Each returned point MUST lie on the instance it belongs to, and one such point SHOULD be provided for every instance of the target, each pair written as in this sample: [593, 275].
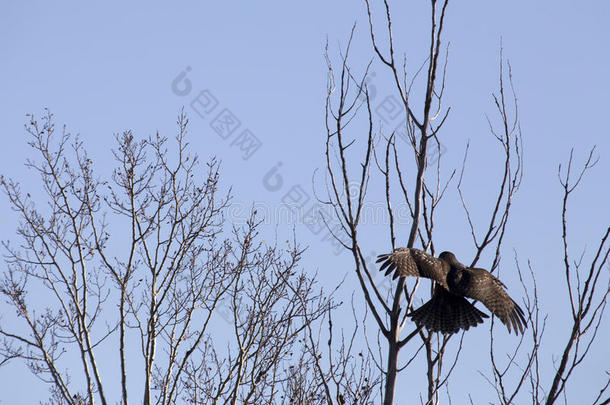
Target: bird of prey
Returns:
[448, 310]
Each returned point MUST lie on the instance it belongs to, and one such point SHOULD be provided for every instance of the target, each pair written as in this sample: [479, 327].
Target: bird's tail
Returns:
[447, 313]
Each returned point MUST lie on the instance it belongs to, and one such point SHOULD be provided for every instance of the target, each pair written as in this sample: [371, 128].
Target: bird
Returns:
[449, 311]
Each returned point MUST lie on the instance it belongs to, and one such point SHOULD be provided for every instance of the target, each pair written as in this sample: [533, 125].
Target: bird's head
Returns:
[448, 257]
[458, 280]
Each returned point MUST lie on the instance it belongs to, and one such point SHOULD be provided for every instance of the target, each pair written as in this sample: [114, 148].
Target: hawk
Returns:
[448, 310]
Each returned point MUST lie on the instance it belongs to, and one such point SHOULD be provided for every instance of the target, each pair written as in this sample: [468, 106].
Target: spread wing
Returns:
[490, 291]
[413, 262]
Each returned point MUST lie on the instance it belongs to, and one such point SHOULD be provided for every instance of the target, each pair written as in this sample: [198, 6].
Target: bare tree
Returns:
[587, 283]
[361, 157]
[347, 95]
[588, 289]
[147, 267]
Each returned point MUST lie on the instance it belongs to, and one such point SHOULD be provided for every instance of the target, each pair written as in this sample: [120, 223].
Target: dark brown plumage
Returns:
[448, 310]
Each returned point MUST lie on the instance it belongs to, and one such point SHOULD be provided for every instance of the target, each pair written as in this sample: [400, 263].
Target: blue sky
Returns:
[104, 68]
